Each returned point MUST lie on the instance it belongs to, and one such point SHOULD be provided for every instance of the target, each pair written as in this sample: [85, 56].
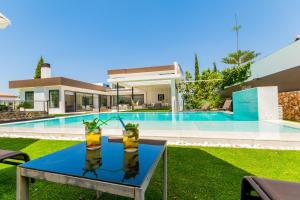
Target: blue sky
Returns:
[82, 39]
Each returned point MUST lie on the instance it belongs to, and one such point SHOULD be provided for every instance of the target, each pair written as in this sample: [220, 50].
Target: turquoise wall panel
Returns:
[245, 104]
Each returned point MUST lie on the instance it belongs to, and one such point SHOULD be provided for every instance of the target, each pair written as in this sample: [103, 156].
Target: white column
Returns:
[62, 104]
[95, 102]
[173, 95]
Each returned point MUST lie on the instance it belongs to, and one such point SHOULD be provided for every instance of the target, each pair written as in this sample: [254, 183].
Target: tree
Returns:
[236, 74]
[37, 74]
[207, 89]
[215, 69]
[186, 88]
[237, 28]
[240, 57]
[197, 71]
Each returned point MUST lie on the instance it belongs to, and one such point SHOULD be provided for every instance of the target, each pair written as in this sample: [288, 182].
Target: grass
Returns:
[194, 172]
[149, 110]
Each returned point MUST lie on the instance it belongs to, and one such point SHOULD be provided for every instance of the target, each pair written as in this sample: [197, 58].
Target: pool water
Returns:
[194, 121]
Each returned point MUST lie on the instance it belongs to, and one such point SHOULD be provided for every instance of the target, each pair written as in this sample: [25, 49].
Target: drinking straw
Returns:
[122, 123]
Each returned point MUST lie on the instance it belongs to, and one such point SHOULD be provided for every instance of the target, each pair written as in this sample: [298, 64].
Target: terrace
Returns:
[194, 172]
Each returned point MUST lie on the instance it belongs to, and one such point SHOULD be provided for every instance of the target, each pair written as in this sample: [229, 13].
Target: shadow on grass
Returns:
[192, 174]
[15, 144]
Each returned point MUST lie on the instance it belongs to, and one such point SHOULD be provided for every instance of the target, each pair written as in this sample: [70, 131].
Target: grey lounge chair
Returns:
[13, 157]
[268, 189]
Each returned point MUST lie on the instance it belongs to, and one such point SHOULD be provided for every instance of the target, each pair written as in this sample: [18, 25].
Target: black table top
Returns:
[109, 164]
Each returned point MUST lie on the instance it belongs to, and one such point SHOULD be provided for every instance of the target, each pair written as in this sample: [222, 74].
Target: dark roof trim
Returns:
[55, 81]
[140, 69]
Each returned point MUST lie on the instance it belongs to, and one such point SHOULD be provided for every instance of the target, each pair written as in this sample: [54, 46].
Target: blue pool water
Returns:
[200, 121]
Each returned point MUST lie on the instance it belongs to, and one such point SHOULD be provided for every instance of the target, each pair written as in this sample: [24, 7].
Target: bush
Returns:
[26, 105]
[236, 74]
[3, 108]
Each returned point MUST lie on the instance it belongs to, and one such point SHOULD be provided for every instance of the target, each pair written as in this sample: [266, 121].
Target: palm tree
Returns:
[240, 57]
[237, 28]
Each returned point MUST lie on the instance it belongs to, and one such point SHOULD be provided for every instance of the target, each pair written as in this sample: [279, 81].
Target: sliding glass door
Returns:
[84, 102]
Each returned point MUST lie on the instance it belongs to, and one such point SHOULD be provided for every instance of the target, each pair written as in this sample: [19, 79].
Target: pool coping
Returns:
[178, 137]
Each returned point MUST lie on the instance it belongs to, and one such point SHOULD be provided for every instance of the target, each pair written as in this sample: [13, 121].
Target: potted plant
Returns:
[93, 133]
[131, 137]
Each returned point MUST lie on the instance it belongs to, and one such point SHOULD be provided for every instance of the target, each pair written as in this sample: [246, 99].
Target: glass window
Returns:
[84, 102]
[124, 99]
[53, 98]
[103, 101]
[138, 99]
[29, 99]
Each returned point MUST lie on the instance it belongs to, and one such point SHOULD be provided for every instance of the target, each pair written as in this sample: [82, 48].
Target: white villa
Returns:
[133, 88]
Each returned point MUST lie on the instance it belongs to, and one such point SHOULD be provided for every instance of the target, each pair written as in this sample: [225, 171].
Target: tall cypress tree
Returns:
[197, 71]
[215, 69]
[37, 73]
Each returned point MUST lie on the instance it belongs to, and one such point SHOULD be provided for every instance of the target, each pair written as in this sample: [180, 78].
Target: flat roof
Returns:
[286, 80]
[7, 95]
[54, 81]
[141, 69]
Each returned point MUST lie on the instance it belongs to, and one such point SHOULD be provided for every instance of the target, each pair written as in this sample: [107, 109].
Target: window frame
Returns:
[32, 101]
[57, 90]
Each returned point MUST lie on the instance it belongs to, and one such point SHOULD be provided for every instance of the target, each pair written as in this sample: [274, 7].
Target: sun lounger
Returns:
[227, 105]
[268, 189]
[205, 107]
[13, 157]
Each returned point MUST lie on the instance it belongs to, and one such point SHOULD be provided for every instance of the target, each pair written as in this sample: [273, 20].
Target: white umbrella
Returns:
[4, 22]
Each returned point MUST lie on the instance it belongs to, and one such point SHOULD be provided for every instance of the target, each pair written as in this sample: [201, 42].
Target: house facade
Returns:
[134, 88]
[281, 69]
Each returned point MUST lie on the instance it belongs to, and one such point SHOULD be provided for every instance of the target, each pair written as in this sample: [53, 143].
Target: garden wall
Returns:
[290, 102]
[260, 103]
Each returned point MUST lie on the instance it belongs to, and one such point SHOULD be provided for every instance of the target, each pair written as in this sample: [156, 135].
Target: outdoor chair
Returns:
[157, 106]
[205, 107]
[268, 189]
[227, 105]
[13, 157]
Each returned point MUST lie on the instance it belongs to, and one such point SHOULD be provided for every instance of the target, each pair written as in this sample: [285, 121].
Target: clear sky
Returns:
[82, 39]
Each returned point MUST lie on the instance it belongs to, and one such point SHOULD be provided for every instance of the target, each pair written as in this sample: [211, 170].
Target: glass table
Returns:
[108, 169]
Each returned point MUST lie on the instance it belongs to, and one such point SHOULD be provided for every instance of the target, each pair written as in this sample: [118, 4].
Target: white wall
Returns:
[95, 103]
[41, 96]
[259, 103]
[45, 72]
[268, 103]
[285, 58]
[151, 93]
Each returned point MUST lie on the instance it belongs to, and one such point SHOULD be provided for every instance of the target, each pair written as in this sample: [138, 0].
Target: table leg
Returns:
[165, 165]
[139, 194]
[22, 186]
[98, 194]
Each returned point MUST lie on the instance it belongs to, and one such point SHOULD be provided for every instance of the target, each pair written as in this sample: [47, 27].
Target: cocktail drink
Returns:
[131, 164]
[93, 138]
[131, 140]
[93, 161]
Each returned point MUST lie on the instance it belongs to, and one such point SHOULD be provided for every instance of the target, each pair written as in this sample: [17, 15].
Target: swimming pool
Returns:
[166, 121]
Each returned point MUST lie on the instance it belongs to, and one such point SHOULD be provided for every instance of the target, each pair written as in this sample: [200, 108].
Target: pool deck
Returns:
[178, 137]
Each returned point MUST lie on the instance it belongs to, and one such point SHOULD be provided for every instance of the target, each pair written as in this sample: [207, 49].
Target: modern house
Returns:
[134, 88]
[147, 86]
[281, 69]
[8, 101]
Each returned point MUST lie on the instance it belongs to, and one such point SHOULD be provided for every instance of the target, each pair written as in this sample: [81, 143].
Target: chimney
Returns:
[297, 38]
[46, 71]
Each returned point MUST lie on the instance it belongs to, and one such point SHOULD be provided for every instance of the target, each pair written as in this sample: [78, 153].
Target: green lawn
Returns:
[194, 172]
